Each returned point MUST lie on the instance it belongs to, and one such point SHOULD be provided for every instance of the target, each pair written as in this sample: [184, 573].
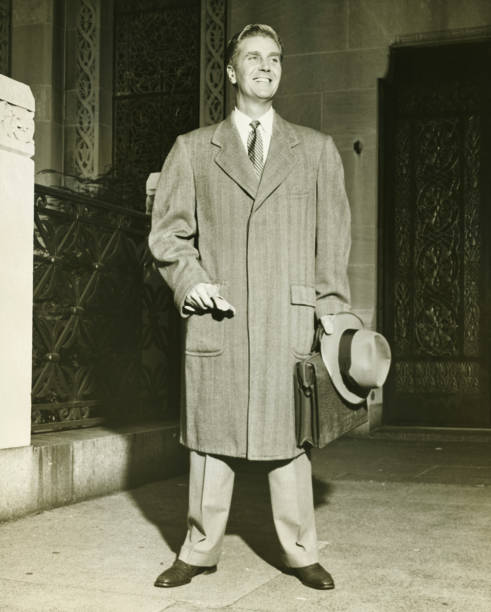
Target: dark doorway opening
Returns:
[435, 186]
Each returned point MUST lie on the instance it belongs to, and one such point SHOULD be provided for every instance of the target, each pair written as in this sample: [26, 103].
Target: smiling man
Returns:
[251, 231]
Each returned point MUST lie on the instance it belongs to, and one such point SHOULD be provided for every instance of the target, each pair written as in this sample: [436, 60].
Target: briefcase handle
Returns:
[316, 344]
[306, 377]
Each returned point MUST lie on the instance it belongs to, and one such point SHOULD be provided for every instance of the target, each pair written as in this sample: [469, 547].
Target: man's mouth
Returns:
[262, 80]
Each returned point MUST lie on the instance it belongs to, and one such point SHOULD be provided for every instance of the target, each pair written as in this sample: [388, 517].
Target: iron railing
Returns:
[105, 334]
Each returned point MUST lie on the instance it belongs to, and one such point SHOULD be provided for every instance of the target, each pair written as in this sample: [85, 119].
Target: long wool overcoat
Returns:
[278, 248]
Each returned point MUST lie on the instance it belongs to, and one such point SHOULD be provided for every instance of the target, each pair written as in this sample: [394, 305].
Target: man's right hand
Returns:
[205, 297]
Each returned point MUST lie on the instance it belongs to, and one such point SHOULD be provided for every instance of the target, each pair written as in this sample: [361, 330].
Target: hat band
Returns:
[345, 343]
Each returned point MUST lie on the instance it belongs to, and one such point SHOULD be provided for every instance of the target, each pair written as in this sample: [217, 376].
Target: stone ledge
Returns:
[62, 468]
[16, 93]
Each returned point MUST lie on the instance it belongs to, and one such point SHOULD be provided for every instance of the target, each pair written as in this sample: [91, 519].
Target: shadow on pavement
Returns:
[165, 505]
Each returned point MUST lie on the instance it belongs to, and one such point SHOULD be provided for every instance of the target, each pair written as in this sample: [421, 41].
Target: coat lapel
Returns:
[232, 157]
[280, 161]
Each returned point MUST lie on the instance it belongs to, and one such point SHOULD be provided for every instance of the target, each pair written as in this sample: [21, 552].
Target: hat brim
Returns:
[342, 322]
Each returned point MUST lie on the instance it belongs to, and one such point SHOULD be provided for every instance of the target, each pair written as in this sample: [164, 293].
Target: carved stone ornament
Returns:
[213, 74]
[87, 50]
[16, 129]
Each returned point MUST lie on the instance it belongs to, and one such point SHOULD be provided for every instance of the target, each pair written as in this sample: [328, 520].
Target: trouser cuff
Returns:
[301, 560]
[193, 557]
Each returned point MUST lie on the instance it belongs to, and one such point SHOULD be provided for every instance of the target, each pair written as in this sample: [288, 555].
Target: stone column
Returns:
[16, 260]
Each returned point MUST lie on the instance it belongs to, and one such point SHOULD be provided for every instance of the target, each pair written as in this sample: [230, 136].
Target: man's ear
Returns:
[231, 74]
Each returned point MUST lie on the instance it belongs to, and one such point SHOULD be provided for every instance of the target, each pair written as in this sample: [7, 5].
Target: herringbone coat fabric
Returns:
[278, 248]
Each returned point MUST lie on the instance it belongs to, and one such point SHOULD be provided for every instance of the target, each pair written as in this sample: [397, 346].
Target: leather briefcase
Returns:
[321, 414]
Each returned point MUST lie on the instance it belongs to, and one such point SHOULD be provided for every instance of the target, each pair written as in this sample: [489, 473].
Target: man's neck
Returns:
[254, 110]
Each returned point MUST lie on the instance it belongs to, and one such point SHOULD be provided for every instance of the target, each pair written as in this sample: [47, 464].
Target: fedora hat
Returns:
[357, 359]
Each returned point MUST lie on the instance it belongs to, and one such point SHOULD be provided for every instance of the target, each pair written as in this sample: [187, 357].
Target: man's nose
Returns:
[265, 64]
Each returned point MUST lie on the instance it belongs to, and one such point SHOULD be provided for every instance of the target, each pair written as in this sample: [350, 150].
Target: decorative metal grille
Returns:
[156, 84]
[98, 321]
[436, 297]
[437, 240]
[5, 28]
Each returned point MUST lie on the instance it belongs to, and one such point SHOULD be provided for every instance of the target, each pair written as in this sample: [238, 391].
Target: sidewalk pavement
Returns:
[403, 525]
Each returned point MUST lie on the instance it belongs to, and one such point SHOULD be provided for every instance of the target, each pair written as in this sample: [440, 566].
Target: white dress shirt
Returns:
[242, 122]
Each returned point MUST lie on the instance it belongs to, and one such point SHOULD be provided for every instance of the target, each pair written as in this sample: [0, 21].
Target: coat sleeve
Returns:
[333, 236]
[174, 227]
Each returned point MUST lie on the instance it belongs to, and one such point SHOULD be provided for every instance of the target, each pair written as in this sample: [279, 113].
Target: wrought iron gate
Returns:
[103, 331]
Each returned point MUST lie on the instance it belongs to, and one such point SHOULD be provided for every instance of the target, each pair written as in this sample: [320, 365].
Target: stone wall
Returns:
[335, 52]
[61, 468]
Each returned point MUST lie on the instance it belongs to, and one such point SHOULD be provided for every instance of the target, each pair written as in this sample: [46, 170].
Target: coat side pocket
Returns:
[302, 319]
[204, 334]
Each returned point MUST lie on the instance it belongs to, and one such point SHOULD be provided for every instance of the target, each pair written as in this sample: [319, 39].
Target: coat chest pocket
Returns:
[302, 318]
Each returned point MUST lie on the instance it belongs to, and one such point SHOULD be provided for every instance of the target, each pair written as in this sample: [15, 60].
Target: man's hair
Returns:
[252, 29]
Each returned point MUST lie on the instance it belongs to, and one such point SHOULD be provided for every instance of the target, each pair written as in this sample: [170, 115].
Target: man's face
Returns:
[256, 69]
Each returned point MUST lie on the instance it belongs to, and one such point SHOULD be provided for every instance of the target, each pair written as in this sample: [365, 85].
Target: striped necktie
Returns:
[255, 147]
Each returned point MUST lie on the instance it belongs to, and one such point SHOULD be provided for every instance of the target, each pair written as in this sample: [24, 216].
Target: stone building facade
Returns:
[94, 76]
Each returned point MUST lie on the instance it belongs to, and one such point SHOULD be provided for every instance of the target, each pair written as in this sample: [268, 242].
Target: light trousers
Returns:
[211, 482]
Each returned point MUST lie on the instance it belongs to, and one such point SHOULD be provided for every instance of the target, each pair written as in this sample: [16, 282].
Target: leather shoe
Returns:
[314, 576]
[181, 573]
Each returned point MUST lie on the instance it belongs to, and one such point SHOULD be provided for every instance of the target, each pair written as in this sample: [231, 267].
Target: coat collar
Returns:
[233, 159]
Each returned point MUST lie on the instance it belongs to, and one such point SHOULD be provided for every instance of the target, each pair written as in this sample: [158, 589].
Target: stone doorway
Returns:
[435, 149]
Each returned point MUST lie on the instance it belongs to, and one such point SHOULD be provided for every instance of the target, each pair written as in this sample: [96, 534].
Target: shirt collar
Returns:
[266, 120]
